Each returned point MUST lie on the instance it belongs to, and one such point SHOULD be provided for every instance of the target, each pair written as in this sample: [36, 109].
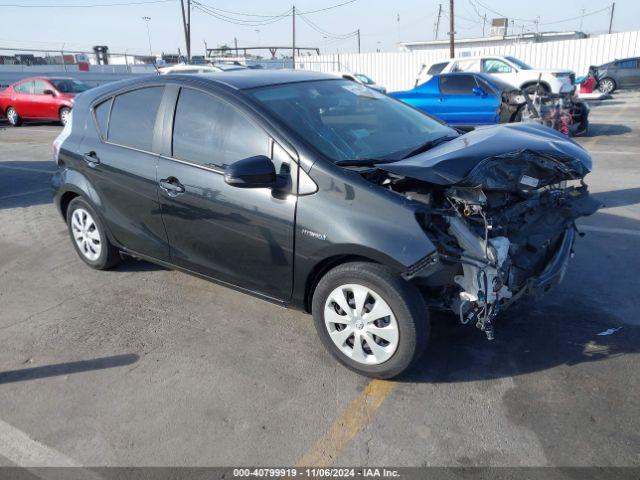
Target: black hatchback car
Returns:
[323, 195]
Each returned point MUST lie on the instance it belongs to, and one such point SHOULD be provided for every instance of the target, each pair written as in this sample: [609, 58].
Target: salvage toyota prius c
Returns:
[324, 195]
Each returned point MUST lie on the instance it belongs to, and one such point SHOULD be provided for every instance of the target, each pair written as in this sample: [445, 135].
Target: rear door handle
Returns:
[91, 158]
[172, 186]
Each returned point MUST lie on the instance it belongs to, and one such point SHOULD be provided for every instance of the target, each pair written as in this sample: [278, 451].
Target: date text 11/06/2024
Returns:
[316, 472]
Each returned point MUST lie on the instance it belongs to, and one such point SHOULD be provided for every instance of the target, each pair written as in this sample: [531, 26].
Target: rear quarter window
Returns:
[133, 117]
[101, 113]
[436, 68]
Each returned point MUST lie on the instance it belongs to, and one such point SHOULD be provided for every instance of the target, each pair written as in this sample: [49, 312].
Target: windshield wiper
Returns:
[363, 162]
[428, 145]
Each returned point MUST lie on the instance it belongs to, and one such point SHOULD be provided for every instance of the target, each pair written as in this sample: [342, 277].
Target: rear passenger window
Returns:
[457, 84]
[209, 131]
[133, 117]
[102, 116]
[25, 87]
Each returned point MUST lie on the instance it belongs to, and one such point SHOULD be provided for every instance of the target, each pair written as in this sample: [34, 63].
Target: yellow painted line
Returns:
[346, 427]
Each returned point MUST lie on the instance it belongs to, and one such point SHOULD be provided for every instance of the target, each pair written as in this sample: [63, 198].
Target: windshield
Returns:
[363, 78]
[347, 121]
[519, 63]
[67, 85]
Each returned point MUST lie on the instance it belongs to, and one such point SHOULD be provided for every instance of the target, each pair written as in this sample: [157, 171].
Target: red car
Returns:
[40, 98]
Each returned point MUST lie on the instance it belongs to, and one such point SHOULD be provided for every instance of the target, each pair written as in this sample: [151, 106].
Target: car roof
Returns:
[245, 79]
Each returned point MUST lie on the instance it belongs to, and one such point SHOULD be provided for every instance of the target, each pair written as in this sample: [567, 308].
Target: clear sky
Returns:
[122, 27]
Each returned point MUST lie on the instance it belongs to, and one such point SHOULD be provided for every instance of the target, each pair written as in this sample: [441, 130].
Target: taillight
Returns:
[64, 134]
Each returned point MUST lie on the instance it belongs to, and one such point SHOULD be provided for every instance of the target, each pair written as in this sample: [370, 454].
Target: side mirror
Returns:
[49, 92]
[252, 172]
[478, 91]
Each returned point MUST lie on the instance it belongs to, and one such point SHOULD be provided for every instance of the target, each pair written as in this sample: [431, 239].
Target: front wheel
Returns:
[65, 115]
[13, 117]
[607, 85]
[370, 319]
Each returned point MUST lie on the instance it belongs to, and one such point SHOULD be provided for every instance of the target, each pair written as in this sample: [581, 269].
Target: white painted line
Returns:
[25, 169]
[621, 231]
[25, 193]
[613, 152]
[20, 449]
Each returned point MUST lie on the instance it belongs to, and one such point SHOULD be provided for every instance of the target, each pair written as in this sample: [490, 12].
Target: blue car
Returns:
[465, 99]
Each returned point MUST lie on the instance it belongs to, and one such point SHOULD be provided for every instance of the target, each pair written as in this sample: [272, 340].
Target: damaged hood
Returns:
[501, 157]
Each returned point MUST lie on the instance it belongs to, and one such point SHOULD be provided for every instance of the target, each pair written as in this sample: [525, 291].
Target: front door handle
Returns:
[172, 186]
[91, 158]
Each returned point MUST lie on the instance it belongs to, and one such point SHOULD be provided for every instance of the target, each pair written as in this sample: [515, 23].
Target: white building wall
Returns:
[398, 70]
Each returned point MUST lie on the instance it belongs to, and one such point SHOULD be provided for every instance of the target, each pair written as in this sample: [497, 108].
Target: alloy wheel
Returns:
[12, 116]
[86, 234]
[361, 324]
[606, 85]
[64, 116]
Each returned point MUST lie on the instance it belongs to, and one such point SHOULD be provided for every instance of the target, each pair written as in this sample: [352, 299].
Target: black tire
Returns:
[13, 117]
[64, 114]
[607, 85]
[402, 297]
[109, 255]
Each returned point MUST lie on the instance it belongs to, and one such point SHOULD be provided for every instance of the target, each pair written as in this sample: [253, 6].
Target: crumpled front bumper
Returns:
[554, 272]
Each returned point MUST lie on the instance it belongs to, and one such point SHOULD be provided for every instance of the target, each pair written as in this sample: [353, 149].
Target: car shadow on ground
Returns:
[619, 198]
[528, 338]
[67, 368]
[607, 130]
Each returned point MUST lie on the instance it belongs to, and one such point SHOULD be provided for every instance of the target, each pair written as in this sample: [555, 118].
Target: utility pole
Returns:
[358, 40]
[452, 33]
[484, 22]
[438, 21]
[235, 43]
[293, 49]
[613, 6]
[186, 23]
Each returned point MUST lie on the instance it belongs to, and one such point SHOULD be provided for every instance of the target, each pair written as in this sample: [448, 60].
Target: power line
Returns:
[328, 8]
[211, 7]
[324, 32]
[122, 4]
[608, 9]
[239, 21]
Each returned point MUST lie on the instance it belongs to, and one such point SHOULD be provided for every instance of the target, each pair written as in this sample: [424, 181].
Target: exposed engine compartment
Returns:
[503, 226]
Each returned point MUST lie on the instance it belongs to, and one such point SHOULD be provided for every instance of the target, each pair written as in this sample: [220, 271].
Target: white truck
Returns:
[508, 69]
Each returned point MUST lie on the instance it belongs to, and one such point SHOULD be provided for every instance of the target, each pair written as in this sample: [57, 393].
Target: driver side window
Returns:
[492, 65]
[211, 132]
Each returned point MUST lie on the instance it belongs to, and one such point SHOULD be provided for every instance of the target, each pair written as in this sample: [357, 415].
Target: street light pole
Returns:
[147, 20]
[293, 50]
[452, 51]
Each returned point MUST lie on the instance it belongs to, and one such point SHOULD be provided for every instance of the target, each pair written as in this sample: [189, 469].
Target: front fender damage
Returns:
[503, 223]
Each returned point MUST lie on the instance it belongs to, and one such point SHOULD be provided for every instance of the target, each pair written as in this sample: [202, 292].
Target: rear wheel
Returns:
[13, 117]
[607, 85]
[370, 319]
[89, 237]
[65, 114]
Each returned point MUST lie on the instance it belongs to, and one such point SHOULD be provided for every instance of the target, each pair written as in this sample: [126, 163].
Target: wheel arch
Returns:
[531, 83]
[321, 268]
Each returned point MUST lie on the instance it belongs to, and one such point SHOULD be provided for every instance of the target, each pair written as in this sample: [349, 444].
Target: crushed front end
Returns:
[500, 206]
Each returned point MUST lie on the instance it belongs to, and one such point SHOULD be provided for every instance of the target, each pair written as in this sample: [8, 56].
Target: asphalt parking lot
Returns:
[146, 366]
